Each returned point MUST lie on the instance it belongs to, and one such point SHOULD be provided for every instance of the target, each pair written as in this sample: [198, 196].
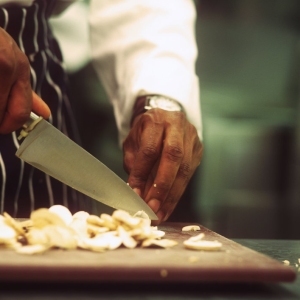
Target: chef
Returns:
[144, 52]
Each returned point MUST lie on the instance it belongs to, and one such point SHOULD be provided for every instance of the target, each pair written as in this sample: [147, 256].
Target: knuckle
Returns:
[174, 153]
[184, 171]
[150, 151]
[138, 177]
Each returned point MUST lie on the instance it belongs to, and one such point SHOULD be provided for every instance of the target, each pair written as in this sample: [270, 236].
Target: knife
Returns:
[49, 150]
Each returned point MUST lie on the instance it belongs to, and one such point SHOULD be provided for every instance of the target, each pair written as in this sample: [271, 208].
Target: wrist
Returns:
[147, 102]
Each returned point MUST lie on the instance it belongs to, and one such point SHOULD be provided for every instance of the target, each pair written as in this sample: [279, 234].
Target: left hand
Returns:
[161, 153]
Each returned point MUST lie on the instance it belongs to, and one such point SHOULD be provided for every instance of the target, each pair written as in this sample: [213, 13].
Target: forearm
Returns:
[144, 48]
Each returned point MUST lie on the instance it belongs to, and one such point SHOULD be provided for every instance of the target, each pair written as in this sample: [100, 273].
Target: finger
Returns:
[148, 152]
[4, 94]
[129, 154]
[39, 106]
[7, 69]
[18, 107]
[180, 183]
[193, 150]
[6, 83]
[150, 183]
[171, 157]
[128, 162]
[130, 148]
[163, 206]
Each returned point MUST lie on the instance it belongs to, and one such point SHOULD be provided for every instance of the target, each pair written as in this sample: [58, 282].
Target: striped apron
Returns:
[22, 187]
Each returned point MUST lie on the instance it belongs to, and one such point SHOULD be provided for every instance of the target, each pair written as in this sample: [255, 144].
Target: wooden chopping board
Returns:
[234, 263]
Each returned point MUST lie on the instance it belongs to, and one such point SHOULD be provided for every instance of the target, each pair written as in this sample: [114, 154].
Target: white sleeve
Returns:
[145, 47]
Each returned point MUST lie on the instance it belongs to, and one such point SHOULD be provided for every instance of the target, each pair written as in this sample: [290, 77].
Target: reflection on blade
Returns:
[49, 150]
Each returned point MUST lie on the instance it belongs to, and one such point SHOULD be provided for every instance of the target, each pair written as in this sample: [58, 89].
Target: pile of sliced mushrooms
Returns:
[56, 227]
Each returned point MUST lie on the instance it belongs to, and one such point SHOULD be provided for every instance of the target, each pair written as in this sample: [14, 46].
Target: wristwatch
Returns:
[157, 101]
[148, 102]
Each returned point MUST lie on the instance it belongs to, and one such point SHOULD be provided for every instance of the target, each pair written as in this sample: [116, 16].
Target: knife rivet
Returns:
[24, 132]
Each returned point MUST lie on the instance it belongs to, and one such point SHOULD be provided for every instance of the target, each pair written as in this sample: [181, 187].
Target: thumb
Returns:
[39, 106]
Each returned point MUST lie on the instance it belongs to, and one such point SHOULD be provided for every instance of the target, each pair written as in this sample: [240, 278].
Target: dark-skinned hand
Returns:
[161, 153]
[17, 99]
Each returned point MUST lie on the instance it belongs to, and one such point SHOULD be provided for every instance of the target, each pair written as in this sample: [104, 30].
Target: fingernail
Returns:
[154, 204]
[160, 216]
[138, 191]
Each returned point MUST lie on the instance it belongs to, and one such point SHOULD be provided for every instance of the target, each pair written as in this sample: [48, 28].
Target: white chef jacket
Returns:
[143, 47]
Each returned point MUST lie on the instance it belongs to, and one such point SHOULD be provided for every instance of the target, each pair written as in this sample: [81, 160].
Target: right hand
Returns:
[17, 99]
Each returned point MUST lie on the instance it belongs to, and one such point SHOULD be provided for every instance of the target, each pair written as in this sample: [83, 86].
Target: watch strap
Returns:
[141, 106]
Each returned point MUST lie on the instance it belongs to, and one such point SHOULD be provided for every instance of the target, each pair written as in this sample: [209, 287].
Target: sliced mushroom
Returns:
[7, 233]
[32, 249]
[124, 217]
[95, 220]
[43, 217]
[109, 221]
[203, 245]
[63, 212]
[13, 223]
[127, 240]
[164, 243]
[191, 228]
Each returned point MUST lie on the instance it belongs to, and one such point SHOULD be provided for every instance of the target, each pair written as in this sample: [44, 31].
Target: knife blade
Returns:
[49, 150]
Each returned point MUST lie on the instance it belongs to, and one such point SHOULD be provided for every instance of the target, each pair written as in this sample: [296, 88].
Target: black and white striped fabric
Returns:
[22, 187]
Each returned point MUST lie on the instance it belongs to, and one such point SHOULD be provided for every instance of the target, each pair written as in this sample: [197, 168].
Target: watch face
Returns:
[164, 103]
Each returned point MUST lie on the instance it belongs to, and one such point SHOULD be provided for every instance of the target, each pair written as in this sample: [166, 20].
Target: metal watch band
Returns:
[166, 103]
[142, 105]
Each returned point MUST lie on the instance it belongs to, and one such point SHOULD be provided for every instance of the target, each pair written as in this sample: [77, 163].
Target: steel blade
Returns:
[49, 150]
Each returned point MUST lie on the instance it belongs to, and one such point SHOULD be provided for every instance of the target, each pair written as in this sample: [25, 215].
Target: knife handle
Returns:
[33, 116]
[29, 125]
